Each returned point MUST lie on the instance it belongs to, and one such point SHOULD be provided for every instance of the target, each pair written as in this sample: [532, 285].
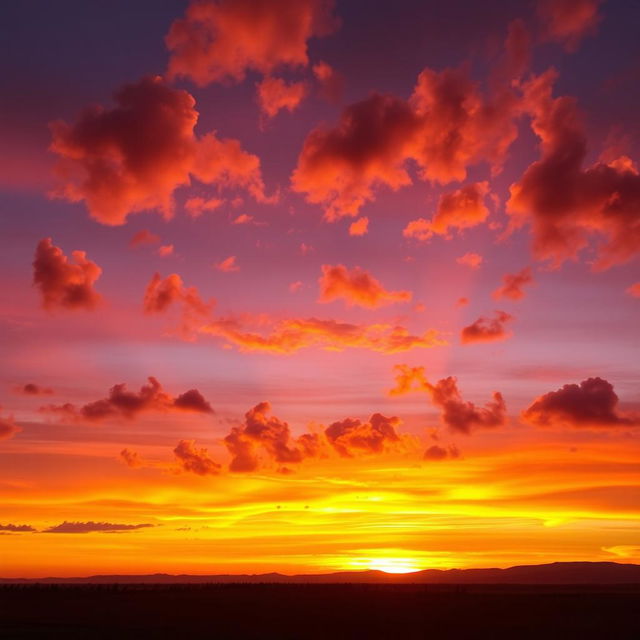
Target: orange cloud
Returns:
[350, 436]
[62, 284]
[592, 403]
[294, 287]
[472, 260]
[487, 329]
[275, 94]
[165, 250]
[360, 227]
[284, 336]
[227, 265]
[568, 21]
[262, 431]
[195, 460]
[291, 335]
[131, 458]
[512, 285]
[356, 287]
[634, 290]
[196, 206]
[121, 403]
[134, 156]
[460, 209]
[331, 83]
[565, 203]
[222, 40]
[457, 414]
[143, 237]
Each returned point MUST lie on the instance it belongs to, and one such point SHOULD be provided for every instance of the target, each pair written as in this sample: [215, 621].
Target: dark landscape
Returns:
[489, 603]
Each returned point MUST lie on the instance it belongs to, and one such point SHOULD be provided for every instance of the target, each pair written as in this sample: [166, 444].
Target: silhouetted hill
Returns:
[556, 573]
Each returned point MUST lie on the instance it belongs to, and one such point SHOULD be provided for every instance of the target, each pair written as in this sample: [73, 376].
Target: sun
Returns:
[393, 565]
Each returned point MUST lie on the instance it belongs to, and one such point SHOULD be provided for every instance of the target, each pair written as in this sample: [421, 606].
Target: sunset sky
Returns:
[308, 286]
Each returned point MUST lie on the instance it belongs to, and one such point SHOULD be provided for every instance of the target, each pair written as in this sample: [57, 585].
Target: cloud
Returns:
[133, 156]
[331, 83]
[634, 290]
[566, 204]
[342, 167]
[592, 403]
[291, 335]
[8, 428]
[356, 287]
[195, 460]
[16, 528]
[121, 403]
[89, 527]
[196, 206]
[462, 416]
[262, 431]
[32, 389]
[164, 293]
[165, 250]
[460, 209]
[360, 227]
[471, 260]
[447, 126]
[281, 336]
[61, 283]
[350, 436]
[487, 329]
[222, 40]
[438, 453]
[568, 21]
[512, 284]
[294, 287]
[274, 94]
[131, 458]
[457, 414]
[227, 265]
[143, 237]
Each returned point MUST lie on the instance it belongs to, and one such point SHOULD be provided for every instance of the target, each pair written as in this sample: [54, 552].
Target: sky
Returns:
[311, 286]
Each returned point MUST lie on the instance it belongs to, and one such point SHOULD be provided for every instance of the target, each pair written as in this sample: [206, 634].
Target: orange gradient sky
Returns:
[307, 286]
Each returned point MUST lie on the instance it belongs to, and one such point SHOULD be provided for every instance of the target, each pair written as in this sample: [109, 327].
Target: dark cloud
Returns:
[195, 460]
[567, 205]
[63, 284]
[88, 527]
[592, 403]
[133, 156]
[16, 528]
[122, 403]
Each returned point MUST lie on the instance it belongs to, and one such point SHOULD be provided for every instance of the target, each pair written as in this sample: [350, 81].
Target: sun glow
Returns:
[386, 564]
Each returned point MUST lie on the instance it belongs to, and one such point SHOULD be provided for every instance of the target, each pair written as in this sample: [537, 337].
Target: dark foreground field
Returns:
[319, 611]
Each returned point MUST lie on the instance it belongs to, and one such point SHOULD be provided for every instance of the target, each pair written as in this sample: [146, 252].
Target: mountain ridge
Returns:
[550, 573]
